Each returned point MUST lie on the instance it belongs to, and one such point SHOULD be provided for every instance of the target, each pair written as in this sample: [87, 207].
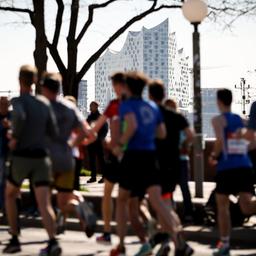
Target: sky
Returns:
[226, 55]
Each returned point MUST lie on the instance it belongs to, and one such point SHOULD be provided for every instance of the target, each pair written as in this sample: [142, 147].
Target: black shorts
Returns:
[169, 171]
[232, 182]
[139, 171]
[112, 169]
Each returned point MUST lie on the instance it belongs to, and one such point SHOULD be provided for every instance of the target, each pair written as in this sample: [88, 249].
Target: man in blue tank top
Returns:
[234, 168]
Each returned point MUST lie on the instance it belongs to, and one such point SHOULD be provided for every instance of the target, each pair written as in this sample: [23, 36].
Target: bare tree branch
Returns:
[58, 22]
[121, 30]
[89, 21]
[20, 10]
[56, 57]
[73, 20]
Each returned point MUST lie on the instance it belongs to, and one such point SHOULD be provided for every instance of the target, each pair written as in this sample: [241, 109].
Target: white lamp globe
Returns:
[195, 10]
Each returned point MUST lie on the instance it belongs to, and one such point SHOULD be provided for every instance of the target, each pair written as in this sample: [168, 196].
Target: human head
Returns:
[51, 83]
[94, 107]
[135, 83]
[156, 91]
[171, 104]
[118, 82]
[224, 99]
[27, 77]
[4, 105]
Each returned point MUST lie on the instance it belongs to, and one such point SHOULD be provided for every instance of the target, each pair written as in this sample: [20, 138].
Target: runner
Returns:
[4, 126]
[250, 135]
[112, 172]
[68, 119]
[234, 168]
[32, 119]
[168, 154]
[143, 121]
[186, 138]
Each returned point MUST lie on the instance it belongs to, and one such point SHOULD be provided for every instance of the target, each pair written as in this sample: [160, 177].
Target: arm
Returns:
[131, 128]
[85, 135]
[99, 123]
[18, 119]
[249, 133]
[218, 144]
[161, 131]
[189, 135]
[114, 132]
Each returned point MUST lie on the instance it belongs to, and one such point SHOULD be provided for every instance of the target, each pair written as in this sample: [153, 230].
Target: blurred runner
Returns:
[69, 120]
[143, 122]
[234, 168]
[32, 120]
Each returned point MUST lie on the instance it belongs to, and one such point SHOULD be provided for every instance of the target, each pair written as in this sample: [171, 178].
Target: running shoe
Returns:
[221, 250]
[52, 249]
[101, 180]
[86, 212]
[91, 180]
[13, 246]
[145, 249]
[104, 239]
[164, 249]
[118, 251]
[186, 251]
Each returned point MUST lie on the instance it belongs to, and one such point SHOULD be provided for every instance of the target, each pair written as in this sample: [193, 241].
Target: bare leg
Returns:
[224, 221]
[43, 197]
[107, 207]
[134, 214]
[247, 203]
[68, 202]
[121, 214]
[167, 222]
[174, 215]
[11, 193]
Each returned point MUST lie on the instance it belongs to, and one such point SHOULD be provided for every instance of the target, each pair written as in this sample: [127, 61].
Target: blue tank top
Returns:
[234, 154]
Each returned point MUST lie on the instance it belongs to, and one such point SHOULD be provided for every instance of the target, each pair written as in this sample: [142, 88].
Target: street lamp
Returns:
[195, 11]
[243, 87]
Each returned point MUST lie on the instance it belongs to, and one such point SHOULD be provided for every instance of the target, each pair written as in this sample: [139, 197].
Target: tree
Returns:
[69, 71]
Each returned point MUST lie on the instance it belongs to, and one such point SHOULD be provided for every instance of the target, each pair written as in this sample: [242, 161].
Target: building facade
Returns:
[83, 97]
[153, 51]
[209, 110]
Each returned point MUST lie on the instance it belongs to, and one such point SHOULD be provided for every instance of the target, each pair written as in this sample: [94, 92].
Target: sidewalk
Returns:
[200, 233]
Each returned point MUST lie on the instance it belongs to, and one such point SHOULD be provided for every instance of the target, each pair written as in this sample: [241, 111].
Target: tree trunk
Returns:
[70, 84]
[40, 52]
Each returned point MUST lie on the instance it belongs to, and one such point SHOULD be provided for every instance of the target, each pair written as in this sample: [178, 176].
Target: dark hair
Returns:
[51, 81]
[95, 103]
[156, 90]
[28, 74]
[118, 77]
[136, 81]
[225, 96]
[171, 103]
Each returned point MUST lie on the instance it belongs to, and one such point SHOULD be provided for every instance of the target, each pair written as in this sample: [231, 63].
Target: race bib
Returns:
[237, 146]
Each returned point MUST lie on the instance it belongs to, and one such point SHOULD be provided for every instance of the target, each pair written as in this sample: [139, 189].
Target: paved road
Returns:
[76, 244]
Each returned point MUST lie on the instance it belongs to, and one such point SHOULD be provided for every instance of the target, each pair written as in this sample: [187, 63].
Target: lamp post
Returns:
[195, 11]
[243, 87]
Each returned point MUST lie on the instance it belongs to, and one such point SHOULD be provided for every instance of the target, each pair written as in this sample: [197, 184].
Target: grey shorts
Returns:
[38, 170]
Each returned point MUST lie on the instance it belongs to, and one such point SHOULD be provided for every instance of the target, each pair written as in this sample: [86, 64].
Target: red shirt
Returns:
[112, 109]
